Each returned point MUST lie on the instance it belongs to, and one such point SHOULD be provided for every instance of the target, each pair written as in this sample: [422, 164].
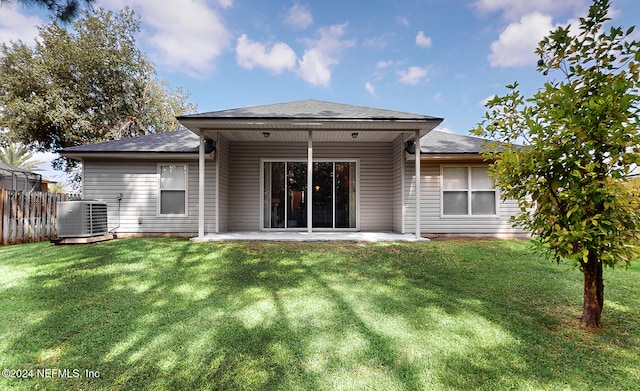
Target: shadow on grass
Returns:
[169, 314]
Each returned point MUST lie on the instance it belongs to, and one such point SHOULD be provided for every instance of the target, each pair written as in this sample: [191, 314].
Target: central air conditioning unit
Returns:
[81, 219]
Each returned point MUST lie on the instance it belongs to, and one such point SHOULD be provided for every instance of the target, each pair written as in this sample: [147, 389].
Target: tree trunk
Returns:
[593, 292]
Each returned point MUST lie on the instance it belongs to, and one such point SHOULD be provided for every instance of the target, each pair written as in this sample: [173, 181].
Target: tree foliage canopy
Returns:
[85, 84]
[579, 141]
[63, 10]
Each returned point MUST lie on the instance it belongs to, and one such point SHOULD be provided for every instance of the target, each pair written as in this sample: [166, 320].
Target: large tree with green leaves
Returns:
[84, 83]
[579, 141]
[63, 10]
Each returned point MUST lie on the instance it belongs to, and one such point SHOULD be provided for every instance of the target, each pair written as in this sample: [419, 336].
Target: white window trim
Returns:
[469, 190]
[186, 190]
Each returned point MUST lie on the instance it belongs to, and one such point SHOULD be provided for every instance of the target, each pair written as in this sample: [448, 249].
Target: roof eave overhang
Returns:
[131, 155]
[199, 124]
[452, 156]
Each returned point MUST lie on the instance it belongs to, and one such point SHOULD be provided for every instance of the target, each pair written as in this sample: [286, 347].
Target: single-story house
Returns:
[305, 166]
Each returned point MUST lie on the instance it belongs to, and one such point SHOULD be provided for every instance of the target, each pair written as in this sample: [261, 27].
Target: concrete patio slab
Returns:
[313, 237]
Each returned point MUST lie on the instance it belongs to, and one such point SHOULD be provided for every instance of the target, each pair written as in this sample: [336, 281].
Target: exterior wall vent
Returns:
[81, 219]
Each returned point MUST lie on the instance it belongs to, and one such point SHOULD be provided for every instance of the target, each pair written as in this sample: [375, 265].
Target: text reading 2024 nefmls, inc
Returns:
[50, 373]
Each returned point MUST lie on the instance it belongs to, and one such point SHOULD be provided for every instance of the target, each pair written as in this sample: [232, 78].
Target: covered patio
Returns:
[297, 169]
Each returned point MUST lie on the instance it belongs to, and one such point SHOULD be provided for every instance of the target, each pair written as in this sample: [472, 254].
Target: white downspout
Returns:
[309, 182]
[217, 163]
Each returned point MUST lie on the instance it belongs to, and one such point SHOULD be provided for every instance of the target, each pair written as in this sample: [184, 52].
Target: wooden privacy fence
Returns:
[29, 216]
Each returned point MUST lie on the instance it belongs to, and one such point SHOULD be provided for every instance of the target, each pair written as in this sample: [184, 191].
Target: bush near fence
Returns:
[29, 216]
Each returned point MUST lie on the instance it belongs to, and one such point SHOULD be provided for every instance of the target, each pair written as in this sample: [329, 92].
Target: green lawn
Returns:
[169, 314]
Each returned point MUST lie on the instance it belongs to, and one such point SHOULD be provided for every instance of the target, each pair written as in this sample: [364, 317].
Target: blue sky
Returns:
[434, 57]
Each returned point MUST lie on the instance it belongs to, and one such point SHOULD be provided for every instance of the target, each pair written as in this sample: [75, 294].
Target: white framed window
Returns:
[468, 191]
[172, 189]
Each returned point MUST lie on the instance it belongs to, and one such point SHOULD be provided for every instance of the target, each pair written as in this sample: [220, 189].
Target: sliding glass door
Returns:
[334, 196]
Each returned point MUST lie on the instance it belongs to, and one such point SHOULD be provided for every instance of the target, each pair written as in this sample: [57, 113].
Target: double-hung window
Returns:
[468, 191]
[172, 189]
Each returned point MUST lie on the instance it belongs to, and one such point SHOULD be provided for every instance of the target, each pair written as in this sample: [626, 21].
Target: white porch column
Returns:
[309, 182]
[417, 154]
[217, 208]
[201, 186]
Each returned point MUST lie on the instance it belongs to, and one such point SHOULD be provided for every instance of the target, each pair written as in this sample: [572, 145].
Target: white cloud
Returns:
[14, 25]
[319, 59]
[486, 100]
[402, 20]
[186, 36]
[413, 75]
[515, 9]
[517, 43]
[173, 30]
[614, 13]
[376, 42]
[298, 17]
[370, 88]
[316, 63]
[276, 57]
[437, 97]
[380, 67]
[384, 64]
[315, 68]
[225, 3]
[422, 40]
[635, 36]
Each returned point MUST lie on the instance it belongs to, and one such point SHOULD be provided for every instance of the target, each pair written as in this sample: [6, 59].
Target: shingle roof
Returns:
[10, 168]
[179, 141]
[184, 141]
[438, 142]
[309, 109]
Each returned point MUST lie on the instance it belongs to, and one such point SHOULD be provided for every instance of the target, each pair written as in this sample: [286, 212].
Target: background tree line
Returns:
[81, 83]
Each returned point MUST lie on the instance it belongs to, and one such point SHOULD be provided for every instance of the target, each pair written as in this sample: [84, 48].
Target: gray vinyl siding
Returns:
[398, 184]
[431, 221]
[375, 181]
[383, 206]
[244, 179]
[137, 180]
[222, 157]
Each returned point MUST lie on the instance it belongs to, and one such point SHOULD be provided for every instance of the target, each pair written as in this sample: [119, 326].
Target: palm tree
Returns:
[19, 156]
[58, 187]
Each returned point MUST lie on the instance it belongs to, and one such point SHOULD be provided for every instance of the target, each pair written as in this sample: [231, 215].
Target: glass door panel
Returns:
[345, 195]
[296, 195]
[323, 195]
[274, 195]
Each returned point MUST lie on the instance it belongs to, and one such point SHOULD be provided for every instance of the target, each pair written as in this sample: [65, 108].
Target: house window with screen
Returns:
[172, 189]
[468, 191]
